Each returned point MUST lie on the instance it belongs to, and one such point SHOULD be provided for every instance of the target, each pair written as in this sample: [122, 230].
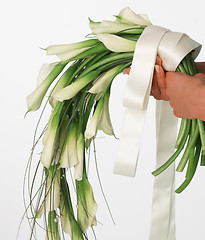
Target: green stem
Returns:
[192, 169]
[192, 140]
[202, 133]
[175, 155]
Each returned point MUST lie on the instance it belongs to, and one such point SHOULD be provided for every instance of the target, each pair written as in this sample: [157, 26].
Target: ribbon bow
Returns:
[172, 47]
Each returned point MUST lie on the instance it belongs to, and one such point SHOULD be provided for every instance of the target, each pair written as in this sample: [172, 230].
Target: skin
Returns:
[186, 94]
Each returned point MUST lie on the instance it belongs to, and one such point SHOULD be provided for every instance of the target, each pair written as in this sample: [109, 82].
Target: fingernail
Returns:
[126, 71]
[156, 68]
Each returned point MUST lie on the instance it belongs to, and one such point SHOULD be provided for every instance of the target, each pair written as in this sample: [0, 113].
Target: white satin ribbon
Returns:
[172, 47]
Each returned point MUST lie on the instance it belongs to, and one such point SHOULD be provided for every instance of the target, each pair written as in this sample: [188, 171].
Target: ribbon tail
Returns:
[163, 203]
[128, 149]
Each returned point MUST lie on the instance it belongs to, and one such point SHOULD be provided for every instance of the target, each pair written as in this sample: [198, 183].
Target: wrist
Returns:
[198, 95]
[201, 67]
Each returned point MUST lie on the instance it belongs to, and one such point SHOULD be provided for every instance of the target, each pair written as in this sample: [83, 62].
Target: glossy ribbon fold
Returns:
[172, 47]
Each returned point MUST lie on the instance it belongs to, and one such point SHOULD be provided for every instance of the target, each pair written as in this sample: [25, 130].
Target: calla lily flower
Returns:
[52, 230]
[112, 27]
[69, 55]
[78, 174]
[87, 206]
[53, 113]
[67, 51]
[69, 154]
[65, 221]
[105, 122]
[63, 81]
[35, 99]
[93, 24]
[71, 90]
[69, 224]
[52, 194]
[92, 127]
[116, 43]
[50, 144]
[126, 15]
[103, 80]
[45, 70]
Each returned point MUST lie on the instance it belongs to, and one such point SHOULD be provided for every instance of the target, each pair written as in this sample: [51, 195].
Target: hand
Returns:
[187, 94]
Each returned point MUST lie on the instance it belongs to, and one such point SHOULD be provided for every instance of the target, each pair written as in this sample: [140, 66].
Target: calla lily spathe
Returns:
[35, 99]
[47, 132]
[105, 122]
[103, 80]
[92, 127]
[112, 27]
[68, 51]
[126, 15]
[115, 43]
[65, 221]
[45, 70]
[63, 81]
[71, 90]
[69, 55]
[78, 174]
[69, 154]
[47, 155]
[52, 193]
[87, 206]
[58, 49]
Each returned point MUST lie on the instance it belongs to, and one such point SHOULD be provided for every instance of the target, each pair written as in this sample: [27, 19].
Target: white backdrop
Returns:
[28, 25]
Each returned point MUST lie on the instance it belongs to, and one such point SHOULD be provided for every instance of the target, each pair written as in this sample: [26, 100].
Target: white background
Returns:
[25, 26]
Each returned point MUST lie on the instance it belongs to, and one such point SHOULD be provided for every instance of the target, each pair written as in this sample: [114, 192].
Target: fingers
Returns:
[155, 91]
[158, 61]
[159, 84]
[127, 70]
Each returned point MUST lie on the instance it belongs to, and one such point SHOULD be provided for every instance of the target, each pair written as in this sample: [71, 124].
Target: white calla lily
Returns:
[93, 24]
[53, 113]
[68, 51]
[50, 144]
[71, 90]
[65, 221]
[116, 43]
[45, 70]
[105, 122]
[103, 80]
[87, 205]
[61, 84]
[35, 99]
[58, 49]
[69, 156]
[78, 174]
[112, 27]
[126, 15]
[69, 55]
[52, 194]
[91, 129]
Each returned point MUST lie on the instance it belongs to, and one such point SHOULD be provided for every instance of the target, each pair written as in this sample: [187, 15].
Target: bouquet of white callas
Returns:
[82, 80]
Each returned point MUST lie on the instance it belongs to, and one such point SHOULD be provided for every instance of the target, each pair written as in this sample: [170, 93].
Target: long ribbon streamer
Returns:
[172, 47]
